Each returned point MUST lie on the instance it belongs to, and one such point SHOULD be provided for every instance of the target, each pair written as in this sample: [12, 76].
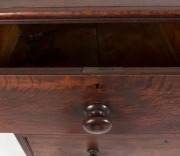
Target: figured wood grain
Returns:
[42, 104]
[108, 145]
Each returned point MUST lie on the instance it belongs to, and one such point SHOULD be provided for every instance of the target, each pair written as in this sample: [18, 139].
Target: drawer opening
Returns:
[90, 45]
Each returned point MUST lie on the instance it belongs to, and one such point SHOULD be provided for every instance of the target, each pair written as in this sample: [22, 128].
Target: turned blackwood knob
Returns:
[97, 120]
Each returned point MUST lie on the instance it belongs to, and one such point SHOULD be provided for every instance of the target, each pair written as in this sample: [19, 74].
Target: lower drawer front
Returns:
[108, 145]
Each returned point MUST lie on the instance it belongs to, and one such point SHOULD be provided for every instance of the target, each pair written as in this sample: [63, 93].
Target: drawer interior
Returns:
[90, 45]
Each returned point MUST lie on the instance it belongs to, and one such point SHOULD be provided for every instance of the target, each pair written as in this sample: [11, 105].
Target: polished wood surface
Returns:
[143, 102]
[42, 104]
[108, 145]
[51, 15]
[30, 11]
[97, 120]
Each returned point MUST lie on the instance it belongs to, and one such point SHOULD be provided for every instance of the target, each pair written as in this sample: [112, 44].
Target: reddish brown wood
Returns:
[108, 145]
[88, 13]
[41, 104]
[24, 11]
[98, 15]
[8, 40]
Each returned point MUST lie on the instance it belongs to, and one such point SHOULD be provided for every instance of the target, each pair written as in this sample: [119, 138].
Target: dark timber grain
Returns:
[41, 104]
[90, 45]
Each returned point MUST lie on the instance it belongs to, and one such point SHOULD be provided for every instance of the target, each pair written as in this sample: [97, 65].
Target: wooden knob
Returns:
[97, 120]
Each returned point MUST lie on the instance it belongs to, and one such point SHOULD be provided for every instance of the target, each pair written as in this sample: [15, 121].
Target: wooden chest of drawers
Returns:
[97, 64]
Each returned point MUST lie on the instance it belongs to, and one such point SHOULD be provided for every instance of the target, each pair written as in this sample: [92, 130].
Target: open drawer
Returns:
[50, 72]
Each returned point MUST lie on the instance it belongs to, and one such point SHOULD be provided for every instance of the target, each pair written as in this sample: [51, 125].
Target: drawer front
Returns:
[107, 145]
[51, 103]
